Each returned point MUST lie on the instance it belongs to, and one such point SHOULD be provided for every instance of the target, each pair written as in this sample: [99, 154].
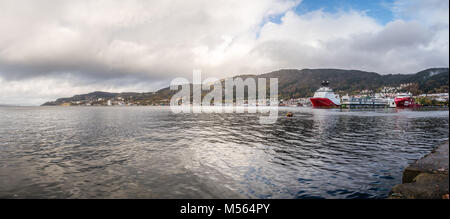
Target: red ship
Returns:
[405, 100]
[325, 97]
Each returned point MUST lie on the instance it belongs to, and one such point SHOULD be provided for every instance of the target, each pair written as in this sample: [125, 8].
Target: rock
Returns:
[427, 178]
[435, 162]
[424, 186]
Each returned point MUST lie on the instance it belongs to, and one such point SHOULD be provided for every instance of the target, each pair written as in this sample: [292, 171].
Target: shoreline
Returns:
[427, 178]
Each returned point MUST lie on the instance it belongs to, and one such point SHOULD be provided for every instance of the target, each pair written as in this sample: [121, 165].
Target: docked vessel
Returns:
[325, 97]
[404, 100]
[363, 102]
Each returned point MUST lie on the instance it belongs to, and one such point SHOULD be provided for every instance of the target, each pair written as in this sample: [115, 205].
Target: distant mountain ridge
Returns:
[293, 83]
[303, 83]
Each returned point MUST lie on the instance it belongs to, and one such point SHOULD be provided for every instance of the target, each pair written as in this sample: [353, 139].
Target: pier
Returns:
[427, 178]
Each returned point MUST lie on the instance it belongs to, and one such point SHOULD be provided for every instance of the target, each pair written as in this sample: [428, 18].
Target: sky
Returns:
[380, 10]
[60, 48]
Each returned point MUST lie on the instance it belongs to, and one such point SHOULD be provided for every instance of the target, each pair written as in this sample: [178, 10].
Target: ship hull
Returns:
[323, 103]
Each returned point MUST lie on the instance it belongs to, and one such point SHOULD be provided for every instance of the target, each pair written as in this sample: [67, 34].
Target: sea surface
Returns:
[150, 152]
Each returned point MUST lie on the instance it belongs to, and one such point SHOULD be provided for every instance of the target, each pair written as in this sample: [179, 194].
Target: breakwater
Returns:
[427, 178]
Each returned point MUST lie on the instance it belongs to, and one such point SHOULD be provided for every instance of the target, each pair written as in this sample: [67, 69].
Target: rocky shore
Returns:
[427, 178]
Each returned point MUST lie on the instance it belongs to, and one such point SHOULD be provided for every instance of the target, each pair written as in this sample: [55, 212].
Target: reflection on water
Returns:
[149, 152]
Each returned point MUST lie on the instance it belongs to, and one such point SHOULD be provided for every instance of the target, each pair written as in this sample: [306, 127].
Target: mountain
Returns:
[303, 83]
[293, 83]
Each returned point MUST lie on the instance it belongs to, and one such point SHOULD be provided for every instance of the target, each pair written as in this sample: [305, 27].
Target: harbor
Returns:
[398, 97]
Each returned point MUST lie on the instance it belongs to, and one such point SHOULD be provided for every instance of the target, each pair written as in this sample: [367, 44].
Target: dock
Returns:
[427, 178]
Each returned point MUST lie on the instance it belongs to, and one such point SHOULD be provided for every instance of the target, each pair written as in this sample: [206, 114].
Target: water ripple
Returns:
[149, 152]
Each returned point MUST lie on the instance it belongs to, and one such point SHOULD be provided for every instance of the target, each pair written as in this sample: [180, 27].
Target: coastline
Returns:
[427, 178]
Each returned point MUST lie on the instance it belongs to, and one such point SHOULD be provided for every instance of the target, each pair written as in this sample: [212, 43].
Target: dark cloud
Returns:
[53, 48]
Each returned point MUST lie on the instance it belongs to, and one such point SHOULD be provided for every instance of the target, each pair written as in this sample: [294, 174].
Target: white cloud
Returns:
[54, 48]
[431, 12]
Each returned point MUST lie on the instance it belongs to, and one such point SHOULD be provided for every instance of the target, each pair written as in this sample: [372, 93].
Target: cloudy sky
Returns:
[57, 48]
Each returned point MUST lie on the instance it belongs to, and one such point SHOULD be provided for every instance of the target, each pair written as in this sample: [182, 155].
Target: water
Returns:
[149, 152]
